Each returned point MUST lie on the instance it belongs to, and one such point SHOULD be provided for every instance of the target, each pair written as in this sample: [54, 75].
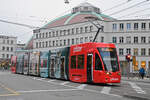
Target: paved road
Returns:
[20, 87]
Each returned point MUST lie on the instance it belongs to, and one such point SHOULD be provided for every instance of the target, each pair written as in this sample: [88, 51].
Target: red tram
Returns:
[94, 62]
[88, 62]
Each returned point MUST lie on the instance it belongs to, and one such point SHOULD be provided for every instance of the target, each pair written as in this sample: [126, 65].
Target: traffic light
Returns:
[128, 57]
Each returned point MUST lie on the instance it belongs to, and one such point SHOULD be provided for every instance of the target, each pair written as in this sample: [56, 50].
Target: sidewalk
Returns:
[136, 79]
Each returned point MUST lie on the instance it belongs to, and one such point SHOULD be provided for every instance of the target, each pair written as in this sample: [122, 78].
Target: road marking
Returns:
[106, 90]
[51, 81]
[64, 83]
[137, 88]
[57, 90]
[40, 78]
[81, 86]
[10, 90]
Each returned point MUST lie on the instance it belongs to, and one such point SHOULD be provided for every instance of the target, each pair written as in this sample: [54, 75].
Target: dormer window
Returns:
[86, 8]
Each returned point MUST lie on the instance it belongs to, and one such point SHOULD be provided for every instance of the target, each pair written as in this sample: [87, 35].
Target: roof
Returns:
[77, 17]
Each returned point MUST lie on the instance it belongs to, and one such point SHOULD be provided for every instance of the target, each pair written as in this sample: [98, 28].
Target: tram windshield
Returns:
[109, 58]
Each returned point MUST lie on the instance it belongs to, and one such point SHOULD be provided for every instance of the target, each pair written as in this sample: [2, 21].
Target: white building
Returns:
[130, 36]
[7, 47]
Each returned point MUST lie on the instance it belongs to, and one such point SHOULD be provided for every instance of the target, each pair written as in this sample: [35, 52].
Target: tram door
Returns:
[89, 67]
[52, 67]
[62, 66]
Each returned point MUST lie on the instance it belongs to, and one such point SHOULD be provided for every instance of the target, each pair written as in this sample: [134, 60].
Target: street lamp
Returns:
[99, 27]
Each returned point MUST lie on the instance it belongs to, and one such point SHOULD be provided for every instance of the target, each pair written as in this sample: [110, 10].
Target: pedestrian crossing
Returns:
[118, 90]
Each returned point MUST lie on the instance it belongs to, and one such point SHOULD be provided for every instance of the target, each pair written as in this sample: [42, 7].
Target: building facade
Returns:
[7, 47]
[130, 36]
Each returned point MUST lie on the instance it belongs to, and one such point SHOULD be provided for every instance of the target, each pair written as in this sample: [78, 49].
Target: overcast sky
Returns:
[39, 12]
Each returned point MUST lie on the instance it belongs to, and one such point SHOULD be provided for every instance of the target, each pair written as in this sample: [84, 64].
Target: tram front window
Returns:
[109, 57]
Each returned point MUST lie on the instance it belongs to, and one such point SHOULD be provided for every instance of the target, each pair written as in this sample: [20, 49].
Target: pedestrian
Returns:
[142, 72]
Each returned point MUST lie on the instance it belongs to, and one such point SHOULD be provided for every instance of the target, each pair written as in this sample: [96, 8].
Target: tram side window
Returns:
[98, 63]
[73, 62]
[81, 62]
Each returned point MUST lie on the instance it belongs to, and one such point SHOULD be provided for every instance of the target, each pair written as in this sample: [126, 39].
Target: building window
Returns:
[40, 35]
[7, 41]
[36, 44]
[60, 42]
[81, 40]
[68, 41]
[53, 43]
[7, 48]
[121, 26]
[77, 40]
[91, 38]
[3, 48]
[3, 41]
[3, 55]
[39, 44]
[49, 43]
[56, 42]
[68, 31]
[135, 51]
[149, 51]
[36, 36]
[121, 39]
[121, 51]
[102, 39]
[43, 35]
[60, 32]
[12, 42]
[64, 32]
[72, 41]
[128, 26]
[143, 26]
[135, 39]
[128, 51]
[86, 29]
[72, 30]
[86, 39]
[148, 39]
[11, 48]
[64, 42]
[49, 34]
[7, 55]
[53, 34]
[114, 39]
[143, 52]
[149, 25]
[143, 39]
[46, 34]
[81, 29]
[43, 44]
[91, 28]
[128, 39]
[46, 43]
[56, 33]
[135, 26]
[114, 26]
[77, 30]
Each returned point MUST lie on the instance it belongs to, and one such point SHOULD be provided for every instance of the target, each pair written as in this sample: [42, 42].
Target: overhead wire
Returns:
[122, 10]
[135, 12]
[118, 5]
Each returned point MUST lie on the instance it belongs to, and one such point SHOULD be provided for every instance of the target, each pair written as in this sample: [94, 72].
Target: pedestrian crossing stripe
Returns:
[137, 88]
